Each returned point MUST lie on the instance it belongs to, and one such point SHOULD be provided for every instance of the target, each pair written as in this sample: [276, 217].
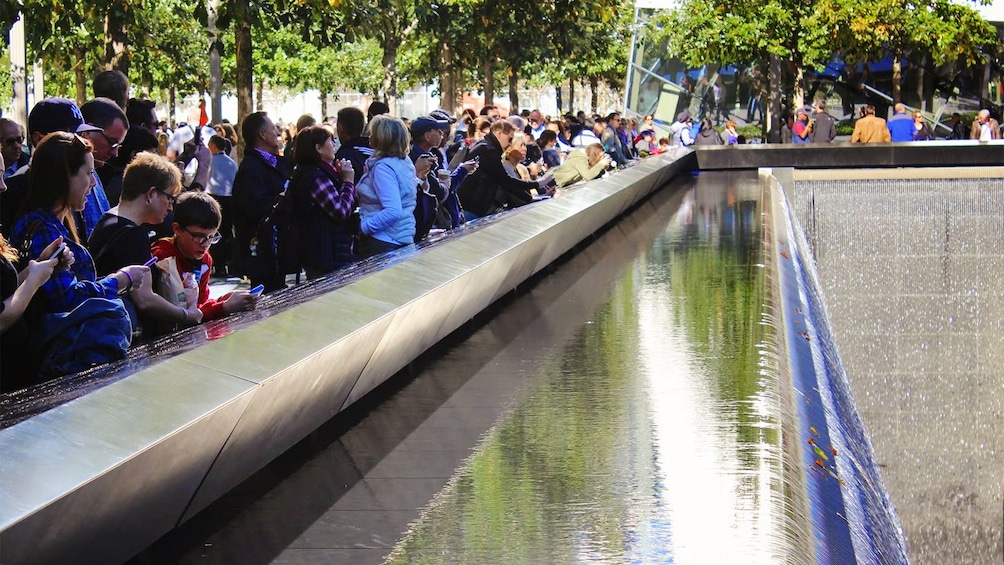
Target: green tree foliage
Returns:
[804, 34]
[947, 31]
[326, 44]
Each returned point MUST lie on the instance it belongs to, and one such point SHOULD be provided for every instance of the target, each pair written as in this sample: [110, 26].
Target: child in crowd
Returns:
[731, 135]
[663, 144]
[196, 223]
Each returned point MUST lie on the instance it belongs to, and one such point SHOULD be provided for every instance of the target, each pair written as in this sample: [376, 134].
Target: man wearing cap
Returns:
[49, 115]
[427, 134]
[112, 125]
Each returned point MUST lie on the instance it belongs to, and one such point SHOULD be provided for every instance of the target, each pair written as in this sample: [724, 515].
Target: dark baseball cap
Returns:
[57, 114]
[424, 124]
[441, 115]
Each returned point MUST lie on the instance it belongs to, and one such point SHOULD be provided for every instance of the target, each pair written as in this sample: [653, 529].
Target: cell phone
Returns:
[256, 291]
[58, 251]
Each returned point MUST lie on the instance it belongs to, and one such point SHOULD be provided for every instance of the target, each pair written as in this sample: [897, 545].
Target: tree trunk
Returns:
[798, 93]
[261, 96]
[773, 123]
[79, 75]
[897, 77]
[985, 82]
[593, 93]
[513, 91]
[390, 74]
[116, 23]
[571, 96]
[557, 97]
[447, 80]
[172, 95]
[324, 105]
[487, 69]
[215, 68]
[242, 30]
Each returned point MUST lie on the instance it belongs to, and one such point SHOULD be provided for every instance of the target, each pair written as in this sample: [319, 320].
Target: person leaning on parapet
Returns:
[870, 128]
[197, 218]
[681, 130]
[260, 179]
[824, 129]
[490, 189]
[985, 128]
[708, 135]
[583, 163]
[900, 125]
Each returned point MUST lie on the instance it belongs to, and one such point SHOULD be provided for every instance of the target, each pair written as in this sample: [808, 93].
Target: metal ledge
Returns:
[98, 478]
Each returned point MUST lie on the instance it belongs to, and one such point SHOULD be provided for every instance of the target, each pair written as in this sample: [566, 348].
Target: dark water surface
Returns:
[613, 412]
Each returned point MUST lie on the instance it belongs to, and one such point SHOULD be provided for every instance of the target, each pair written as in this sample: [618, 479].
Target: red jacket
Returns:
[211, 308]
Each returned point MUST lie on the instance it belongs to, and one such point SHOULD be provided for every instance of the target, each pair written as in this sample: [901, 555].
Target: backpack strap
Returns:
[25, 251]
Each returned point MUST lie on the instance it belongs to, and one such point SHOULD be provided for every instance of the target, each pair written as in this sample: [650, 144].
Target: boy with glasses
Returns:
[196, 227]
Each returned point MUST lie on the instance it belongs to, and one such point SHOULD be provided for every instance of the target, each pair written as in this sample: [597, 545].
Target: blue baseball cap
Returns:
[57, 114]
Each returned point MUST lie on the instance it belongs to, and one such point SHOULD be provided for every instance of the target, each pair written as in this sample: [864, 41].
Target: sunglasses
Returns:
[201, 238]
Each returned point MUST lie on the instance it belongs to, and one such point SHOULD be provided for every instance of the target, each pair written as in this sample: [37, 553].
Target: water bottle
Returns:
[191, 284]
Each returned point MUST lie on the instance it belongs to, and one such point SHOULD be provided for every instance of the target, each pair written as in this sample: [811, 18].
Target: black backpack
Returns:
[277, 239]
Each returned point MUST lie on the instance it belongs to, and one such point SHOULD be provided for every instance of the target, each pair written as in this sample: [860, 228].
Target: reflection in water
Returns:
[650, 436]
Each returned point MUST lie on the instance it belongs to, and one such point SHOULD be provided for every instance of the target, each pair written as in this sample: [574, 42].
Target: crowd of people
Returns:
[108, 215]
[107, 227]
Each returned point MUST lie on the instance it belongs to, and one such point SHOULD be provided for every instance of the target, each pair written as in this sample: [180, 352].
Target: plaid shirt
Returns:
[65, 289]
[337, 202]
[97, 205]
[269, 158]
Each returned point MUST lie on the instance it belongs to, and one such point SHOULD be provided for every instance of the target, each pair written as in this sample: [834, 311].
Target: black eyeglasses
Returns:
[201, 238]
[112, 144]
[170, 197]
[14, 140]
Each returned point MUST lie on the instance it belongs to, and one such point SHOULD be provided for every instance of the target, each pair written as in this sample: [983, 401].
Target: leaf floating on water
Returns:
[822, 454]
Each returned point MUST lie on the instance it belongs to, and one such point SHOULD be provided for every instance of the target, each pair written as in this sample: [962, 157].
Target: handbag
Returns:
[97, 331]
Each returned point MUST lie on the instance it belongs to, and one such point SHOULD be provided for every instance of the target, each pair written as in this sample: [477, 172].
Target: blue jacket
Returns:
[901, 127]
[386, 194]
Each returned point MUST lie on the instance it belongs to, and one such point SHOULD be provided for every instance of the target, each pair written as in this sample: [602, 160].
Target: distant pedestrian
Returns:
[900, 125]
[824, 129]
[921, 130]
[959, 130]
[870, 128]
[985, 128]
[801, 129]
